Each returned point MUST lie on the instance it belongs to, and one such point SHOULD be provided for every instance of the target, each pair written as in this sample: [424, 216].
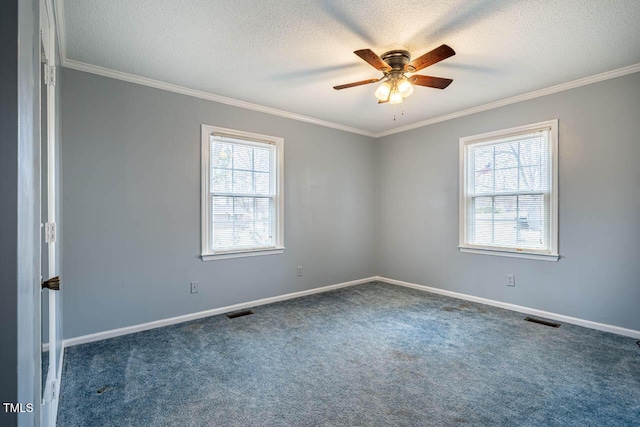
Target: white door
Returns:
[51, 297]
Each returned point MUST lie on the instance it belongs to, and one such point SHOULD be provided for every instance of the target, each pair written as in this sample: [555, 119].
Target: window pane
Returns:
[495, 221]
[504, 234]
[242, 222]
[509, 221]
[505, 212]
[506, 180]
[222, 209]
[531, 221]
[242, 157]
[482, 221]
[243, 209]
[531, 151]
[483, 158]
[484, 181]
[246, 221]
[241, 169]
[483, 208]
[530, 178]
[517, 164]
[263, 209]
[223, 236]
[221, 155]
[263, 182]
[242, 182]
[506, 155]
[221, 180]
[243, 234]
[261, 159]
[262, 233]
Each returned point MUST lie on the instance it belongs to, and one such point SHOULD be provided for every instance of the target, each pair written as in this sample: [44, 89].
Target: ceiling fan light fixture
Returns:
[395, 97]
[405, 88]
[382, 93]
[393, 65]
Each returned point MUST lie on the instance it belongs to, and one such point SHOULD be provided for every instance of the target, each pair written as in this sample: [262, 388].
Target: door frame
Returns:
[51, 393]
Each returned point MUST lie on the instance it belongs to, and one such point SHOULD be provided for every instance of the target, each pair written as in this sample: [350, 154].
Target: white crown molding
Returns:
[518, 98]
[518, 308]
[132, 78]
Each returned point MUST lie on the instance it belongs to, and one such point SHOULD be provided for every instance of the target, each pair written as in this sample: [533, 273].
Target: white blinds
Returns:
[243, 194]
[507, 190]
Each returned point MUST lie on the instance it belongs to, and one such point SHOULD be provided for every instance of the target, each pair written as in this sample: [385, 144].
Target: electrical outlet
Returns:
[511, 279]
[195, 286]
[299, 270]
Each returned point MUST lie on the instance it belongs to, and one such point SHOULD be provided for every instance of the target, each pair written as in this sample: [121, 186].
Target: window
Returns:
[509, 192]
[242, 201]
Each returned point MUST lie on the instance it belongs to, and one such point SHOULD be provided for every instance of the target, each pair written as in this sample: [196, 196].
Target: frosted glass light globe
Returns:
[395, 97]
[382, 93]
[405, 88]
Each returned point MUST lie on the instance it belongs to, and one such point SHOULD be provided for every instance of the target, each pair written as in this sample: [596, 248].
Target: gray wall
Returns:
[354, 207]
[131, 172]
[19, 216]
[598, 276]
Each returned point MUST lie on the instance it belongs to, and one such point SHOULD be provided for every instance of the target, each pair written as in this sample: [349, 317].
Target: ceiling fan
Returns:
[394, 65]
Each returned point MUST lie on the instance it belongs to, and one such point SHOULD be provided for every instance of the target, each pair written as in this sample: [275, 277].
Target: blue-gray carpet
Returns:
[368, 355]
[45, 369]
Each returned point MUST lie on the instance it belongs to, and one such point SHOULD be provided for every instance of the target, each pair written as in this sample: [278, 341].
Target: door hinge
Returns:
[50, 232]
[50, 393]
[49, 75]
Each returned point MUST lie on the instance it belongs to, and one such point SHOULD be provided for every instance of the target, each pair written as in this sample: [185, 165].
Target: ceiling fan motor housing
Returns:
[397, 59]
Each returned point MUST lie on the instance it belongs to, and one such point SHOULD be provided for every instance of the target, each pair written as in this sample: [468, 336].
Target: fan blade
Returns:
[435, 82]
[430, 58]
[362, 82]
[374, 60]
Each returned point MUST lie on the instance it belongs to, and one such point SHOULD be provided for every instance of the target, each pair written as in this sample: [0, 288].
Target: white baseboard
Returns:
[193, 316]
[199, 315]
[519, 308]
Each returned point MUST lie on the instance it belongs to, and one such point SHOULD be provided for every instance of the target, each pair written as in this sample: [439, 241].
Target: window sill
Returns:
[512, 254]
[242, 254]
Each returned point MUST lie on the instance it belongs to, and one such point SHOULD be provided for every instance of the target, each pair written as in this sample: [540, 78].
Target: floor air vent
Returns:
[542, 322]
[239, 314]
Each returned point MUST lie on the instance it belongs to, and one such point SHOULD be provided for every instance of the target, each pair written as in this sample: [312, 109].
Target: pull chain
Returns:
[394, 112]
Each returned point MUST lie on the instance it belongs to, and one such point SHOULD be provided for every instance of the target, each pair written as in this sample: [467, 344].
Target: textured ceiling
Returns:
[288, 54]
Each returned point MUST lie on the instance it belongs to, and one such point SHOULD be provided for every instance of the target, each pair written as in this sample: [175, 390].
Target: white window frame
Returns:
[550, 255]
[207, 252]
